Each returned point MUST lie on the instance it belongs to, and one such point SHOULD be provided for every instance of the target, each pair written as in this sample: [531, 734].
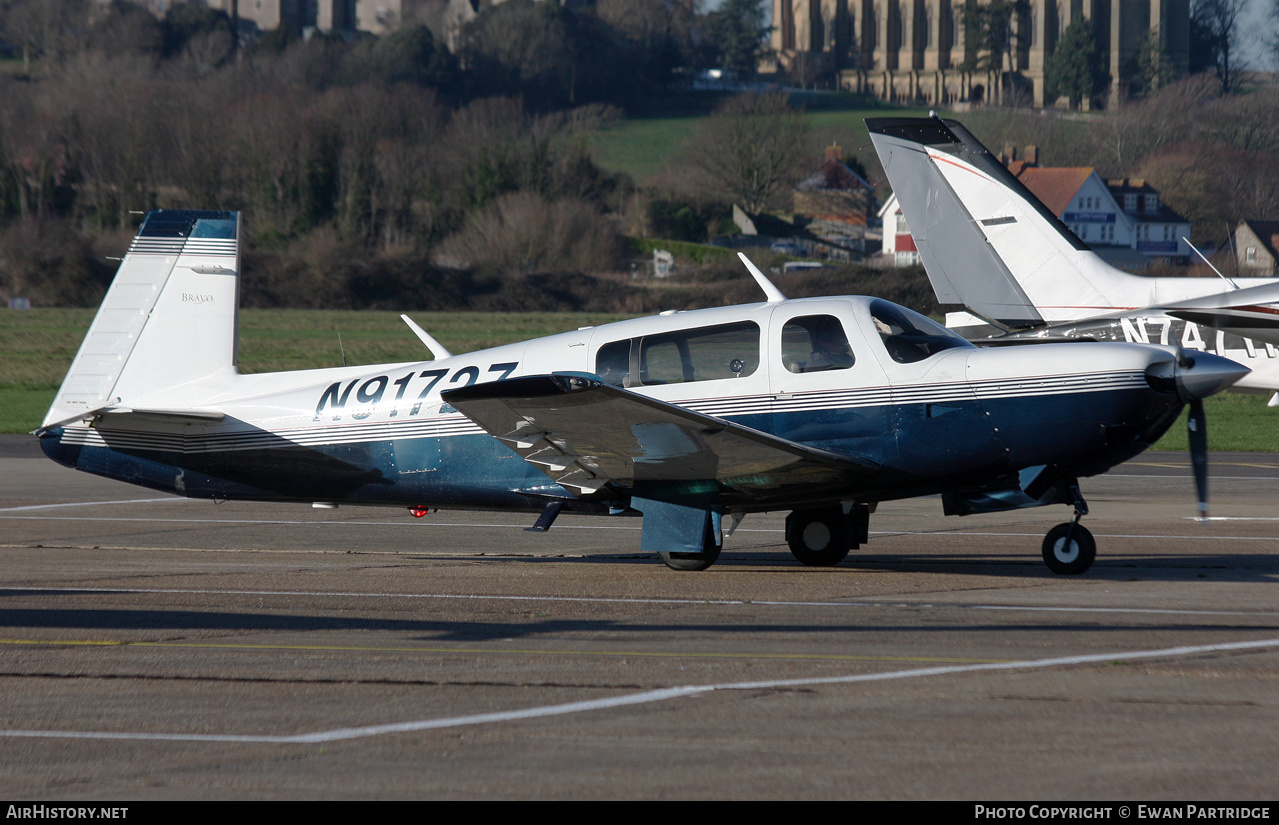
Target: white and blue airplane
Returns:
[820, 407]
[988, 244]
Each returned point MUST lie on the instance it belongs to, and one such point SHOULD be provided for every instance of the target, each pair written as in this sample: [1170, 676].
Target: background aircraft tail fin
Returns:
[986, 241]
[168, 320]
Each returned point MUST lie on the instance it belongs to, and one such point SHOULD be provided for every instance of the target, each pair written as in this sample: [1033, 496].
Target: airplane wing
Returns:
[587, 435]
[1250, 312]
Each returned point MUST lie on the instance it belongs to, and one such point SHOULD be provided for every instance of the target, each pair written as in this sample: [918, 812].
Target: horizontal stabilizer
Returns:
[588, 435]
[182, 416]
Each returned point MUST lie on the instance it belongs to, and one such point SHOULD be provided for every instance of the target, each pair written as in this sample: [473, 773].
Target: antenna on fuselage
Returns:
[774, 294]
[1233, 285]
[437, 349]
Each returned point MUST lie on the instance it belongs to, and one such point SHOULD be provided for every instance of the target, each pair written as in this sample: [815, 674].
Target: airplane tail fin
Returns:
[168, 320]
[985, 240]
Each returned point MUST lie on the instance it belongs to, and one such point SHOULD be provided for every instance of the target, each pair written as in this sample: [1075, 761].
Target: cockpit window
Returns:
[702, 354]
[815, 343]
[909, 336]
[613, 363]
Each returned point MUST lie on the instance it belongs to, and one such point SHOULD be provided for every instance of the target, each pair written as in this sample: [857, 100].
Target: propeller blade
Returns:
[1197, 431]
[1195, 376]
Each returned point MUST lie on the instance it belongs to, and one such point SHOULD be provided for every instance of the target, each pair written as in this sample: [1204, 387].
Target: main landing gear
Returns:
[711, 546]
[1069, 548]
[823, 537]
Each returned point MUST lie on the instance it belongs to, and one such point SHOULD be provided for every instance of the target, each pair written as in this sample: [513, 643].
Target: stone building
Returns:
[374, 16]
[914, 50]
[265, 15]
[1257, 247]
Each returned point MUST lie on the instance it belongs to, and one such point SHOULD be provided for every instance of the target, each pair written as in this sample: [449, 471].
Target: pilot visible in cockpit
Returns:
[830, 348]
[613, 364]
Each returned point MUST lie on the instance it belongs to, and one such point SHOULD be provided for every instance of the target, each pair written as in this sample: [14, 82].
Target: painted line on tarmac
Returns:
[1179, 476]
[90, 503]
[636, 527]
[645, 697]
[323, 594]
[1095, 533]
[1232, 518]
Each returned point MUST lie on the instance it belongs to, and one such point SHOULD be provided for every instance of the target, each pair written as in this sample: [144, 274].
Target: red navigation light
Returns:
[418, 511]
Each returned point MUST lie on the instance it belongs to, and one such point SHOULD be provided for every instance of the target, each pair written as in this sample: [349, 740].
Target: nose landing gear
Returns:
[1069, 548]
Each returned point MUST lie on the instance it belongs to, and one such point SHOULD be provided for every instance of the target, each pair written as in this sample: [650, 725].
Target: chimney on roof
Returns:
[834, 152]
[1009, 155]
[1032, 154]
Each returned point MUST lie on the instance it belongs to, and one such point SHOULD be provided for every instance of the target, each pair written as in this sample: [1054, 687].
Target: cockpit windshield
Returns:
[909, 336]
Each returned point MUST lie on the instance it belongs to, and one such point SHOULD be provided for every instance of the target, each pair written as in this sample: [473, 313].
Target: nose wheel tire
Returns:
[1069, 549]
[819, 538]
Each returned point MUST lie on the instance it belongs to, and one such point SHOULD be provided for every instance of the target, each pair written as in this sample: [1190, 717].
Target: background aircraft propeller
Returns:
[1197, 375]
[1197, 431]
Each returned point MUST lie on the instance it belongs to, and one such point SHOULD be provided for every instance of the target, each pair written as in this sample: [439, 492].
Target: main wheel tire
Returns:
[1073, 558]
[819, 538]
[712, 544]
[691, 561]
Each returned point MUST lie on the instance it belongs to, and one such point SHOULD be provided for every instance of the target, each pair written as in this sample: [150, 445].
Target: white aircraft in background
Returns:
[821, 406]
[990, 245]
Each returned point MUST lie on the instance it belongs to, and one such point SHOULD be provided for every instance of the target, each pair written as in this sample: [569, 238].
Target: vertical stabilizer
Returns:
[168, 319]
[986, 241]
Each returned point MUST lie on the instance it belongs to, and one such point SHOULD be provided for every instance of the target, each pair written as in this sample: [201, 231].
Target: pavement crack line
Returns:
[641, 698]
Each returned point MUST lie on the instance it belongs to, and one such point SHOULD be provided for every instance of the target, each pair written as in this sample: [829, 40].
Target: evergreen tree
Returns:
[993, 35]
[1155, 68]
[1075, 70]
[737, 31]
[410, 54]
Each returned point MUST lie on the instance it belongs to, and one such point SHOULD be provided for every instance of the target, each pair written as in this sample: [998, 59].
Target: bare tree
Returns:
[43, 28]
[522, 232]
[1217, 30]
[750, 148]
[1271, 38]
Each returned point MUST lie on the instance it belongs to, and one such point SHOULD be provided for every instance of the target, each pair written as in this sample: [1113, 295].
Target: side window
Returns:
[662, 362]
[815, 343]
[702, 354]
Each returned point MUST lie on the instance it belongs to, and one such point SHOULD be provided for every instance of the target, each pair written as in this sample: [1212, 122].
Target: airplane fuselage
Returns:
[958, 418]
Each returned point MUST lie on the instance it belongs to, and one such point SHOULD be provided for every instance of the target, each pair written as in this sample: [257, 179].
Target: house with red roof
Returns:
[1123, 221]
[832, 204]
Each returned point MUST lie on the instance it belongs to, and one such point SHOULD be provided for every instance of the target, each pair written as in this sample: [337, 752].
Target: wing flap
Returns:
[588, 435]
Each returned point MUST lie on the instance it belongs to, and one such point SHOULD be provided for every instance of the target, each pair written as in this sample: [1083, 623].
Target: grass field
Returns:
[640, 147]
[37, 346]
